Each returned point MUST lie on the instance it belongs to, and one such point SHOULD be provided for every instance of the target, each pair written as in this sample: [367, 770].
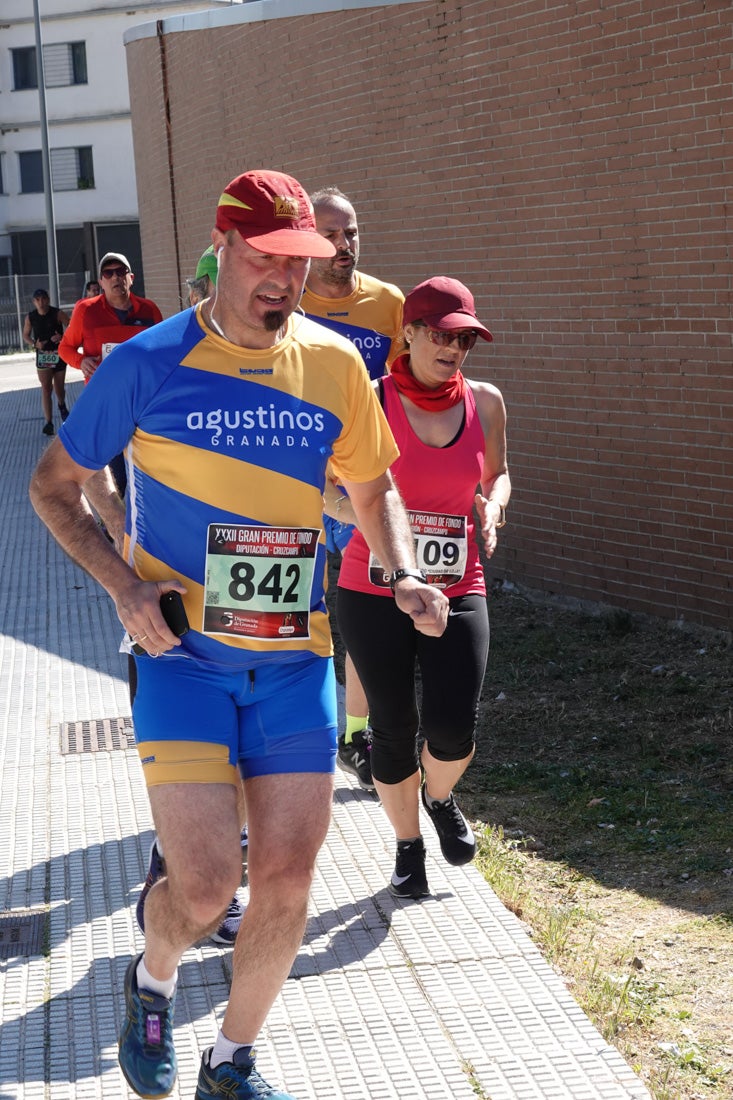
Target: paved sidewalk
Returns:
[387, 1000]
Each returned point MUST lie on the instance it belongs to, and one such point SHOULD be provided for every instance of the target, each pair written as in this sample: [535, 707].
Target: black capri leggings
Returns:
[384, 646]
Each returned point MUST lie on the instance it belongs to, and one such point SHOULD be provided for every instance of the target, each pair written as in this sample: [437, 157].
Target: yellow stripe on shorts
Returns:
[186, 762]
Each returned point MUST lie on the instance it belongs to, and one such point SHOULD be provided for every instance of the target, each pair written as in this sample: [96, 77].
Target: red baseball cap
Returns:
[443, 303]
[273, 214]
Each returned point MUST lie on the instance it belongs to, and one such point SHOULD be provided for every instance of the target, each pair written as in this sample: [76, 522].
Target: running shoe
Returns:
[47, 428]
[237, 1080]
[147, 1055]
[226, 933]
[354, 757]
[457, 842]
[408, 878]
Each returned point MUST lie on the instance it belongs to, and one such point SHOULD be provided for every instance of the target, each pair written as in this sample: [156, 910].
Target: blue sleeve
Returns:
[104, 418]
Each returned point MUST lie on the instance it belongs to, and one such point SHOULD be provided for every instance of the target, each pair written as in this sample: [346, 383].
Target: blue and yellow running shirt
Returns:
[226, 452]
[371, 318]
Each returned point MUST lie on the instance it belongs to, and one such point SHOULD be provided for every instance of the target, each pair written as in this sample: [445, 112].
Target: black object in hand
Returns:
[174, 613]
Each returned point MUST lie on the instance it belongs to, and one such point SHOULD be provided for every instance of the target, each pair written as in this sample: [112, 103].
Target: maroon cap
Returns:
[443, 303]
[273, 214]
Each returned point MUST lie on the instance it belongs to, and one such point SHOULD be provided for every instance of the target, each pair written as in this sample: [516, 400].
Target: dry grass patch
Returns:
[601, 789]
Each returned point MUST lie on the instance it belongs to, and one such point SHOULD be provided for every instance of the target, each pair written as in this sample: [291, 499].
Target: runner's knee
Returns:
[450, 745]
[394, 755]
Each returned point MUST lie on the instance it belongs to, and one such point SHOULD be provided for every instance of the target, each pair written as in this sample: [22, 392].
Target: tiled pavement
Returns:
[417, 1001]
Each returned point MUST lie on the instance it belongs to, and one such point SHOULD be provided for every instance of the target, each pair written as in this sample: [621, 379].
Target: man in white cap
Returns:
[99, 324]
[232, 412]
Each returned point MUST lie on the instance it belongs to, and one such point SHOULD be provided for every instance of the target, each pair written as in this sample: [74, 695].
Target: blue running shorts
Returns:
[197, 723]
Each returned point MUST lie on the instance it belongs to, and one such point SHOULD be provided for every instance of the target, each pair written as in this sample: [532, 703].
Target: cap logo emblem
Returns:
[285, 207]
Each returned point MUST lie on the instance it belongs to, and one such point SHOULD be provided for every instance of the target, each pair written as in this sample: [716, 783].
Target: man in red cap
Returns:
[231, 413]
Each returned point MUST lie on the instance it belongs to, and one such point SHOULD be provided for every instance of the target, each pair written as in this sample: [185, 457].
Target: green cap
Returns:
[208, 265]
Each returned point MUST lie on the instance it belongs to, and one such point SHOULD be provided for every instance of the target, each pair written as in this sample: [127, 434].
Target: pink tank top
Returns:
[438, 485]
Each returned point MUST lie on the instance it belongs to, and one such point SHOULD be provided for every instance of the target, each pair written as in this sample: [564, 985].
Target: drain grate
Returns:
[21, 932]
[97, 735]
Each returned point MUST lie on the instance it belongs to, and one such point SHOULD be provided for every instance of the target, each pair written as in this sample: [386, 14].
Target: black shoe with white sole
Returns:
[457, 842]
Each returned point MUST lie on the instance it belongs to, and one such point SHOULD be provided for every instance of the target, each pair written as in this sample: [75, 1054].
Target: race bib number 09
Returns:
[441, 549]
[259, 581]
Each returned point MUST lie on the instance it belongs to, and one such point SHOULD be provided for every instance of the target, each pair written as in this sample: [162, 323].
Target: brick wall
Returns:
[569, 163]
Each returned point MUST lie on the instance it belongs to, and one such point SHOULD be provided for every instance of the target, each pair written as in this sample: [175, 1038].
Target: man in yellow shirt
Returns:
[367, 312]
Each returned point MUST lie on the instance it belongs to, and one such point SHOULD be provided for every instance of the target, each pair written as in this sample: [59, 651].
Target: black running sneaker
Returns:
[237, 1080]
[354, 757]
[408, 878]
[457, 842]
[47, 428]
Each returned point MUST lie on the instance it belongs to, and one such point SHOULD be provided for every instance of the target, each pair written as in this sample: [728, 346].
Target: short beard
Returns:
[274, 320]
[337, 276]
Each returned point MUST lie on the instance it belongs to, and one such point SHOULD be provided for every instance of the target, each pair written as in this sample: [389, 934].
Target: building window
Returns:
[31, 172]
[72, 169]
[64, 63]
[24, 68]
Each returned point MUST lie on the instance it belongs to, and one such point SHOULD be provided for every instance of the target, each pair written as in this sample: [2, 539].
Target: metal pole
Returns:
[17, 312]
[53, 263]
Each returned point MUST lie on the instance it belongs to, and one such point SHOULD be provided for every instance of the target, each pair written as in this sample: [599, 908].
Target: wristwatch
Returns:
[400, 573]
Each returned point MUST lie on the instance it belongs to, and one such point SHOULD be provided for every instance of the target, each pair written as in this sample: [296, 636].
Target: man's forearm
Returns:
[69, 519]
[386, 528]
[383, 521]
[101, 492]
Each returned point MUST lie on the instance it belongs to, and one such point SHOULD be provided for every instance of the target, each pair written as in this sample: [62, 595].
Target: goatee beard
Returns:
[274, 320]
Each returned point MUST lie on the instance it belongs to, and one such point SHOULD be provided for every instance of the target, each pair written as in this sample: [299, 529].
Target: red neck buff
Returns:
[444, 396]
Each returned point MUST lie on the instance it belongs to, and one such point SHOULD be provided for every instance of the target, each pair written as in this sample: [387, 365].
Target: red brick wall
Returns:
[569, 163]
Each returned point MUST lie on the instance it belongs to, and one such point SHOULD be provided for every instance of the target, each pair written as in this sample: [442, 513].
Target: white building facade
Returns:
[90, 135]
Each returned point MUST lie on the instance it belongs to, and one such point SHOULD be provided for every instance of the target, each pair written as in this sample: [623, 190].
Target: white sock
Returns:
[145, 980]
[224, 1050]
